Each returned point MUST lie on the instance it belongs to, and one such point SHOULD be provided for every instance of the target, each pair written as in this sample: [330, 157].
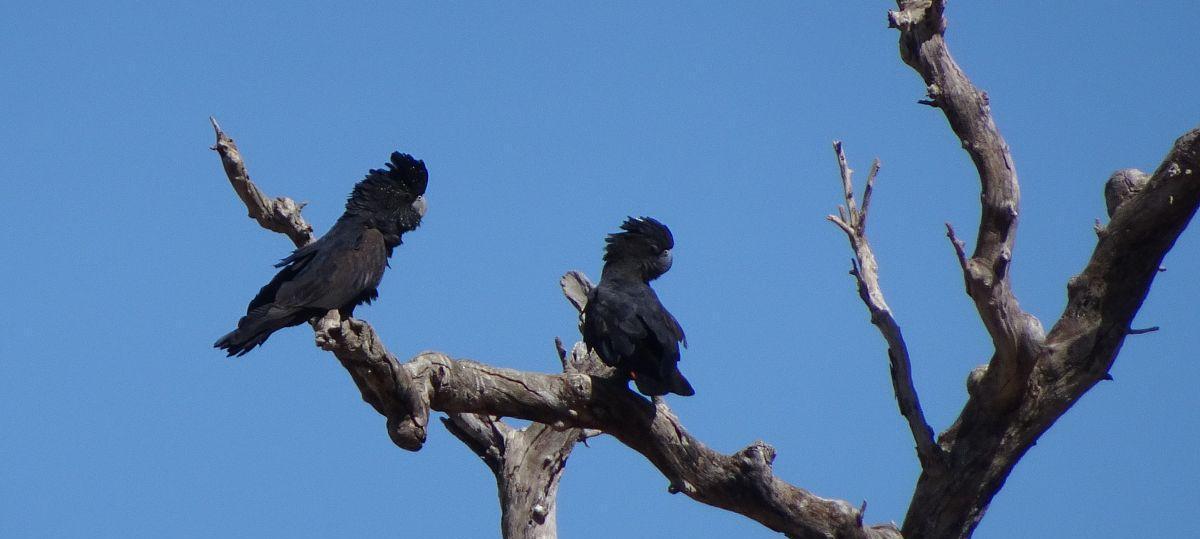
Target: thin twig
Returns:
[960, 250]
[847, 183]
[867, 192]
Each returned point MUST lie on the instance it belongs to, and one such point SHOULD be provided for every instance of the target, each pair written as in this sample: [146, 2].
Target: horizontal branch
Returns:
[742, 482]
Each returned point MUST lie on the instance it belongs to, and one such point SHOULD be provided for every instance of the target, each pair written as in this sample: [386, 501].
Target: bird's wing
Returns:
[659, 320]
[341, 268]
[301, 254]
[292, 266]
[343, 272]
[664, 334]
[676, 329]
[612, 326]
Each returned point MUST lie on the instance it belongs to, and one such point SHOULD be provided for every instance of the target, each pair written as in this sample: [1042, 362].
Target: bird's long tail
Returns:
[254, 328]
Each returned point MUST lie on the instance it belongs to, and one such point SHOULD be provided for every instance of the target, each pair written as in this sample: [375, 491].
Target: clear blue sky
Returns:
[543, 126]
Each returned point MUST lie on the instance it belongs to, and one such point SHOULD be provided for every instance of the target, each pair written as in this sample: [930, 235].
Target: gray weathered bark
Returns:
[1033, 378]
[528, 463]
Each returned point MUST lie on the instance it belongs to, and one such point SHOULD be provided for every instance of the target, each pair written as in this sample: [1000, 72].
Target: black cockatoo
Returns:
[343, 268]
[623, 320]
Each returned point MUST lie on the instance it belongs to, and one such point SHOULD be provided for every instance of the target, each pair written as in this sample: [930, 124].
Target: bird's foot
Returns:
[328, 330]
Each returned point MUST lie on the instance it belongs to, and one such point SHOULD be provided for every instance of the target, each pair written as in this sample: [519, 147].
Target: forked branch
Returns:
[1032, 378]
[865, 270]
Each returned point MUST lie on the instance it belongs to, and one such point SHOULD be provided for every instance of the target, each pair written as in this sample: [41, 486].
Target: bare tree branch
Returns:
[279, 215]
[405, 393]
[1103, 300]
[742, 482]
[1016, 335]
[482, 435]
[960, 250]
[866, 272]
[1080, 349]
[1033, 378]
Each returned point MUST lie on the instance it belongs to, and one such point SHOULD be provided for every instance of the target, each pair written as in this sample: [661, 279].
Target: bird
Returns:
[342, 269]
[624, 322]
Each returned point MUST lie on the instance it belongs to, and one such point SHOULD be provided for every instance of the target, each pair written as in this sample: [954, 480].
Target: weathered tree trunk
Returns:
[528, 464]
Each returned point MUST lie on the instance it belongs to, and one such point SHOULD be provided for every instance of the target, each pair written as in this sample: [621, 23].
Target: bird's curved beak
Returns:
[420, 205]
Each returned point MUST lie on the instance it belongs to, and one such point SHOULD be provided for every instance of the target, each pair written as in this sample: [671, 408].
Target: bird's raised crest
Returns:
[404, 179]
[638, 234]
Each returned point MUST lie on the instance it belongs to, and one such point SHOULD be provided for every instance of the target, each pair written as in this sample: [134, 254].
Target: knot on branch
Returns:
[914, 13]
[934, 92]
[758, 455]
[975, 378]
[1123, 186]
[580, 384]
[681, 486]
[539, 513]
[286, 218]
[406, 433]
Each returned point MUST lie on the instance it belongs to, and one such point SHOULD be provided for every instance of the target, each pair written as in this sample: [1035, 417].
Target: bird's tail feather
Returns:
[674, 383]
[254, 329]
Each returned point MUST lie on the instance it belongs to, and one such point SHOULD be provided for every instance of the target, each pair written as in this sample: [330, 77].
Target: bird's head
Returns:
[392, 199]
[644, 245]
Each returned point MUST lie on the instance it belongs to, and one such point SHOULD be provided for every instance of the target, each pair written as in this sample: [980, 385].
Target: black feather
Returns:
[342, 269]
[624, 321]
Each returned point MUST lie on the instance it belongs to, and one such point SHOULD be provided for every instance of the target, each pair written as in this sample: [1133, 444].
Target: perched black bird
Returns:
[343, 268]
[623, 320]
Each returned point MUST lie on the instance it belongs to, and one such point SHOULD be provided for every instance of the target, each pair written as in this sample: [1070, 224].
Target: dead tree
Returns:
[1032, 378]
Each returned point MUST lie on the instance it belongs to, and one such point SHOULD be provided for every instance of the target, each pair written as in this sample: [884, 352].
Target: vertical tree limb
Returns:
[866, 272]
[1015, 334]
[528, 463]
[1032, 379]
